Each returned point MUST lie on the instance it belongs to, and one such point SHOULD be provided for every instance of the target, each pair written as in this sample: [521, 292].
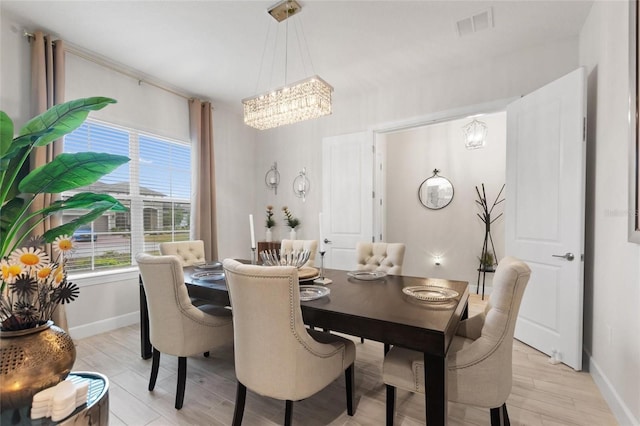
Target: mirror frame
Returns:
[634, 125]
[424, 182]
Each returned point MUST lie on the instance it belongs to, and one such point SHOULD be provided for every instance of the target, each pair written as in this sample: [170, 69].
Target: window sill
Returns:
[85, 279]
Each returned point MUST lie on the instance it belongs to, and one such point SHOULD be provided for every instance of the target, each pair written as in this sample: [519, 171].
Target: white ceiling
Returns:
[213, 49]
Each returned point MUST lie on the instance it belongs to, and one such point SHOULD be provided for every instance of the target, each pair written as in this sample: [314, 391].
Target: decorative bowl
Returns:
[296, 258]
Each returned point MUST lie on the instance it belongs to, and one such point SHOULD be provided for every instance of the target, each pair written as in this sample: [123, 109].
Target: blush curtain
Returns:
[47, 90]
[203, 177]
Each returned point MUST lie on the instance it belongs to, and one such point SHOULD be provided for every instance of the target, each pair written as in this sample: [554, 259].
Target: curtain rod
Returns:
[79, 52]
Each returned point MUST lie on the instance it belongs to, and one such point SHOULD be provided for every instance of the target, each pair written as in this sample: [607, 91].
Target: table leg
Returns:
[435, 379]
[145, 343]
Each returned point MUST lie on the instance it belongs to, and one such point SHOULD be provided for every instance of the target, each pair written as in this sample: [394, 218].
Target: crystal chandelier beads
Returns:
[303, 100]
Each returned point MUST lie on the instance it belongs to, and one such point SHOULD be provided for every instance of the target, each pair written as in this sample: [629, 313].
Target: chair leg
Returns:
[499, 416]
[387, 347]
[362, 340]
[349, 381]
[391, 404]
[182, 381]
[241, 397]
[155, 365]
[288, 413]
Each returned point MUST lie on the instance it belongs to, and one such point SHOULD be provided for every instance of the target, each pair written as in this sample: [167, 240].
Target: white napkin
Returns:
[60, 400]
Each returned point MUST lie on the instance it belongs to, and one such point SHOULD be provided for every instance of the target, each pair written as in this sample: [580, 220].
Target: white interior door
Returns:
[347, 191]
[544, 220]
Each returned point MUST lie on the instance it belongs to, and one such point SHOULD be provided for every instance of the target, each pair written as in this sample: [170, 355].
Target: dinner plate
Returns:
[208, 275]
[313, 292]
[307, 279]
[367, 275]
[210, 265]
[430, 293]
[307, 272]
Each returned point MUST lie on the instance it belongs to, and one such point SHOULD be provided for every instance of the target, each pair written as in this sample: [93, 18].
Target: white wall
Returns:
[612, 278]
[454, 232]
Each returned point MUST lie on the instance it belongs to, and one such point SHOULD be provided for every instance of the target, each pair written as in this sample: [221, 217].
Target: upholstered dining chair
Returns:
[189, 253]
[479, 360]
[387, 257]
[297, 245]
[177, 327]
[275, 355]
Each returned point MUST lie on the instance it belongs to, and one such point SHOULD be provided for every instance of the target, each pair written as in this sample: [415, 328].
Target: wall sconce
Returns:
[272, 178]
[437, 260]
[475, 134]
[301, 185]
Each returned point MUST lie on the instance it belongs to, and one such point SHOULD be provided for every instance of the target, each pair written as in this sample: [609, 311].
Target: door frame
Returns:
[379, 168]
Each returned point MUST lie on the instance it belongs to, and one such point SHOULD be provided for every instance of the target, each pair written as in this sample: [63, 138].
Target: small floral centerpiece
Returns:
[292, 222]
[270, 220]
[34, 285]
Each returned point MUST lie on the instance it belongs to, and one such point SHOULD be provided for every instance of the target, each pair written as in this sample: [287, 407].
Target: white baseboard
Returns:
[619, 409]
[88, 330]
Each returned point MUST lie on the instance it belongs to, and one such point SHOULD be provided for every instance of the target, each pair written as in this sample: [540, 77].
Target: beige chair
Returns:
[189, 252]
[387, 257]
[479, 360]
[275, 355]
[176, 327]
[297, 245]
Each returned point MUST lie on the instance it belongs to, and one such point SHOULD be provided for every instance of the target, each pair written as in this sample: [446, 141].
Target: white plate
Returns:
[210, 265]
[367, 275]
[430, 293]
[313, 292]
[208, 275]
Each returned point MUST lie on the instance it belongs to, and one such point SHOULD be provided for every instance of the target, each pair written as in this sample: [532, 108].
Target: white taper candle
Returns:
[253, 234]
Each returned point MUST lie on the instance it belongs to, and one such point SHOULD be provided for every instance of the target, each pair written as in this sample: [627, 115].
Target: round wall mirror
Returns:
[435, 192]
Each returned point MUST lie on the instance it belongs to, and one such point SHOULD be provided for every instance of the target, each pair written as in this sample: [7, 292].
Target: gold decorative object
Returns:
[32, 360]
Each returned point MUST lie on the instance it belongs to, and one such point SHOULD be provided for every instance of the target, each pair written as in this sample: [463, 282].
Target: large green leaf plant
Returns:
[66, 172]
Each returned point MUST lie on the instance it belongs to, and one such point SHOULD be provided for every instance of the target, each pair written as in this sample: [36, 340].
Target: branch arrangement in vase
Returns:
[292, 222]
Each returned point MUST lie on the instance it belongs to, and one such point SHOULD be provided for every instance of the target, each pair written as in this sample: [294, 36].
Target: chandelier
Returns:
[291, 103]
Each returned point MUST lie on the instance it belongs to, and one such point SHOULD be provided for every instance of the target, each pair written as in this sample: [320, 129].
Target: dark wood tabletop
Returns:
[376, 310]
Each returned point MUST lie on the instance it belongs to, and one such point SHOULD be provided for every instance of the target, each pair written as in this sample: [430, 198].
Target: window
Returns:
[155, 185]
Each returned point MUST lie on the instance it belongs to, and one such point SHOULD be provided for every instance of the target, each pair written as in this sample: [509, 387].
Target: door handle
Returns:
[566, 256]
[327, 241]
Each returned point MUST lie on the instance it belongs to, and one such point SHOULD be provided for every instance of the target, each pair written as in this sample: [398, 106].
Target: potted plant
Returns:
[270, 223]
[292, 222]
[33, 283]
[486, 261]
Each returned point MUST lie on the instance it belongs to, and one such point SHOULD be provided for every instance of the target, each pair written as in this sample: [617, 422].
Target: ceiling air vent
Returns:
[478, 22]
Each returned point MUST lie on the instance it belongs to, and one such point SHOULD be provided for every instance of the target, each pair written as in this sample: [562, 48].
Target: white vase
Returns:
[292, 234]
[268, 235]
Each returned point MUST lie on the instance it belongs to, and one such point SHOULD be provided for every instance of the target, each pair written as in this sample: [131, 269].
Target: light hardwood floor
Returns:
[542, 394]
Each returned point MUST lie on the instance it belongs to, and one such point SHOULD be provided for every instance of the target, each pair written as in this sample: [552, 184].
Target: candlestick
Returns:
[322, 280]
[253, 234]
[253, 255]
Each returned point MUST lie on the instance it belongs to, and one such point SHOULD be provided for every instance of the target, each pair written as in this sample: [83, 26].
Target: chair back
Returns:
[482, 368]
[168, 303]
[274, 354]
[387, 257]
[299, 245]
[189, 252]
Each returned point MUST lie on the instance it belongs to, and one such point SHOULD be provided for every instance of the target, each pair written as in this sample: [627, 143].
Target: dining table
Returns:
[382, 309]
